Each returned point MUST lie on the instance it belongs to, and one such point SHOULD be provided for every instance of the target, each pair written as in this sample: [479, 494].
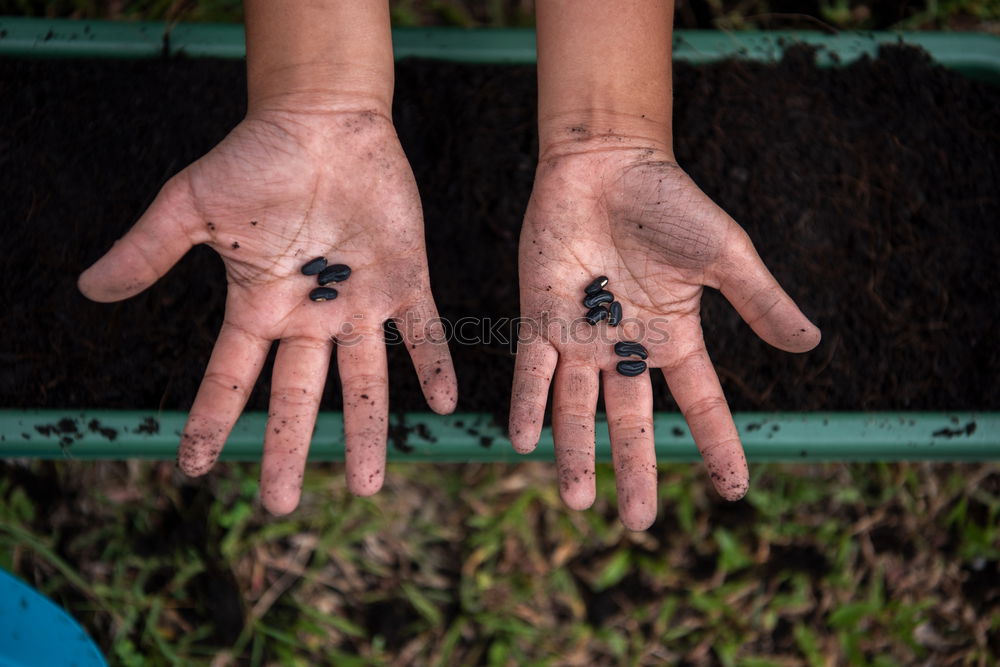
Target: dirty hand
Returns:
[633, 215]
[280, 190]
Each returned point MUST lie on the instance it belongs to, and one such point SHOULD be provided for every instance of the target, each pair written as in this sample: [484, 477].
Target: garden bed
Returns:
[870, 191]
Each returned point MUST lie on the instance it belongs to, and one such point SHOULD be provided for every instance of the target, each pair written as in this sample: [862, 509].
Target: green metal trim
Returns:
[974, 54]
[467, 438]
[482, 45]
[66, 38]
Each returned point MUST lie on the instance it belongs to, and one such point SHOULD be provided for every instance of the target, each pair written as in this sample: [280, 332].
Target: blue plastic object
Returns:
[34, 632]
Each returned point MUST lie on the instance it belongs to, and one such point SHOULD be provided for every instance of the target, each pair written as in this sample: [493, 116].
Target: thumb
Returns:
[147, 251]
[760, 300]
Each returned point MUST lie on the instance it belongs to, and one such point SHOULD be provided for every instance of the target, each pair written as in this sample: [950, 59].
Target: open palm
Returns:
[633, 215]
[280, 190]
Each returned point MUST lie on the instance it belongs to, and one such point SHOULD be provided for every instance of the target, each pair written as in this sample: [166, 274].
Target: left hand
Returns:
[284, 187]
[633, 215]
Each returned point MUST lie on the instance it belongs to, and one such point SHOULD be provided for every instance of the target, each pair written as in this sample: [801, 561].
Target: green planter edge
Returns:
[803, 437]
[974, 54]
[467, 438]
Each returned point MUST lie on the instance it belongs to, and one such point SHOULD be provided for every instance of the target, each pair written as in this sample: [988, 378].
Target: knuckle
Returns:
[432, 367]
[689, 357]
[526, 411]
[239, 328]
[370, 437]
[137, 241]
[704, 407]
[420, 317]
[290, 396]
[222, 380]
[575, 416]
[724, 443]
[567, 454]
[634, 465]
[304, 344]
[763, 300]
[532, 390]
[531, 378]
[578, 368]
[633, 426]
[364, 446]
[739, 243]
[362, 383]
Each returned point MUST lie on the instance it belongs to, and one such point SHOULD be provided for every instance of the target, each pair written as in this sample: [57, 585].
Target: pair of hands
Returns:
[286, 186]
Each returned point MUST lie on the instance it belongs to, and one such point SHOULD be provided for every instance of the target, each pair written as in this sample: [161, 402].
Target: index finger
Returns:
[427, 344]
[695, 386]
[533, 368]
[232, 370]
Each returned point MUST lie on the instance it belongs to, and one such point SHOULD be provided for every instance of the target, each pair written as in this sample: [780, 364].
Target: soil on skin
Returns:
[870, 192]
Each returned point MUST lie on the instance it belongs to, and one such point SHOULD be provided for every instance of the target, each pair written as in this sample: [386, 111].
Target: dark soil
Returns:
[870, 191]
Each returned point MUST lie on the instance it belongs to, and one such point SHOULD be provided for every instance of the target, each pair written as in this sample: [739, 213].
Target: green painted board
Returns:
[975, 54]
[55, 434]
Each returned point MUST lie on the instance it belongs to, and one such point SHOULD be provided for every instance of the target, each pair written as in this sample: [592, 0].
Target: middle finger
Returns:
[574, 404]
[300, 369]
[364, 382]
[629, 404]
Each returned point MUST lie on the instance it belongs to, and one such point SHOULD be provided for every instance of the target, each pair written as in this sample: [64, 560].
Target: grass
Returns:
[481, 564]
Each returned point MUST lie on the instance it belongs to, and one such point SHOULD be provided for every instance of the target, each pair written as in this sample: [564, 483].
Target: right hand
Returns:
[282, 188]
[630, 213]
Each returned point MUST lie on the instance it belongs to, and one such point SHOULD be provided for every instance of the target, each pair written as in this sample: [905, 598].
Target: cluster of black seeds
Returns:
[631, 367]
[336, 273]
[595, 301]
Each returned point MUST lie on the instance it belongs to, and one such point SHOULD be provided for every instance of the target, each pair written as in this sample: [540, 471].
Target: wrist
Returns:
[323, 54]
[594, 130]
[318, 130]
[316, 94]
[604, 75]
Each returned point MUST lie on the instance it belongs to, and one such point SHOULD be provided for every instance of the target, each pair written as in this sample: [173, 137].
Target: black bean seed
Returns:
[596, 314]
[596, 285]
[615, 317]
[314, 266]
[630, 349]
[597, 298]
[323, 294]
[631, 368]
[337, 273]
